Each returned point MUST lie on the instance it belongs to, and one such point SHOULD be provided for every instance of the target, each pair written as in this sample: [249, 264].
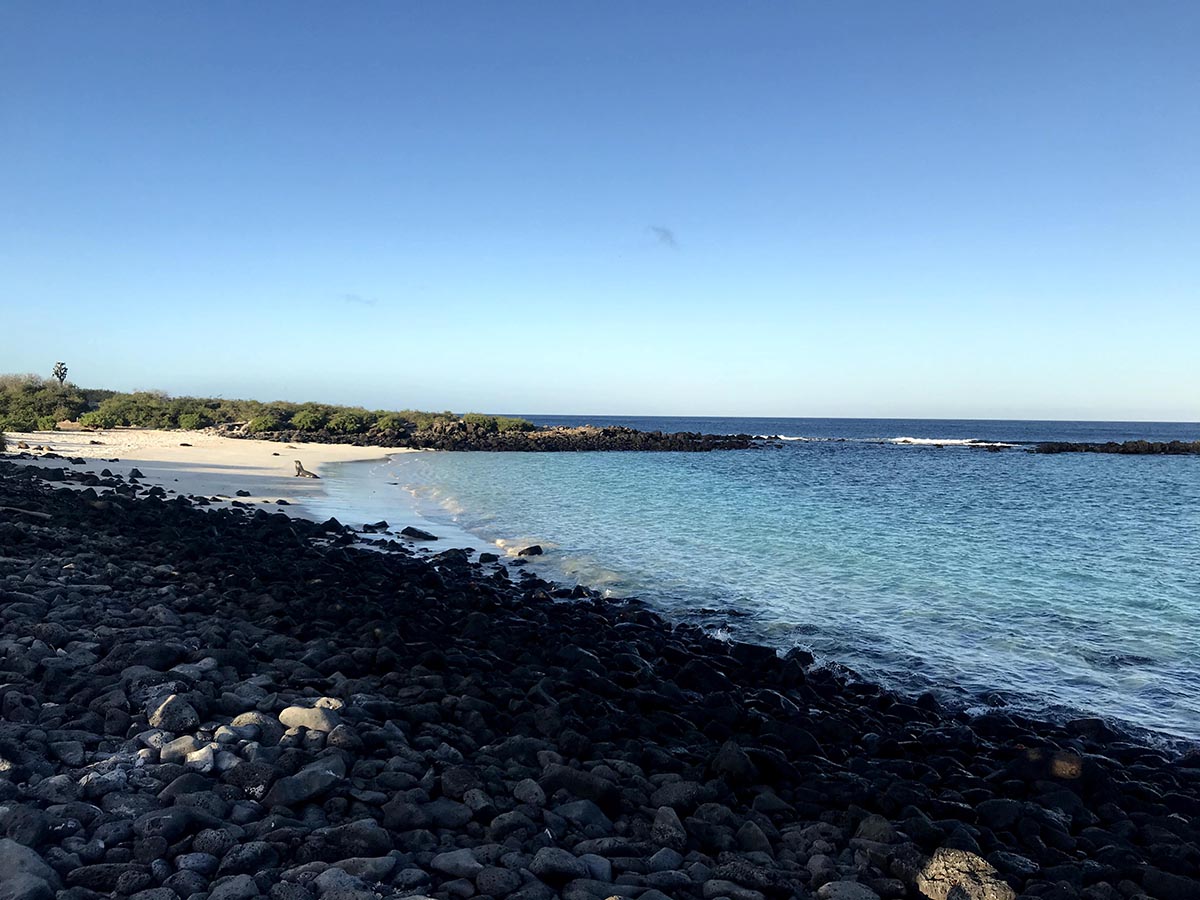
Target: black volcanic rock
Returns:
[465, 437]
[1132, 448]
[352, 723]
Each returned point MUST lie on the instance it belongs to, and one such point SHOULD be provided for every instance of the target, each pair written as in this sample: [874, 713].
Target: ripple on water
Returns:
[1062, 581]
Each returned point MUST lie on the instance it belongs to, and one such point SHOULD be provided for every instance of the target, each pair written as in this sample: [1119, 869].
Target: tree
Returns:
[60, 372]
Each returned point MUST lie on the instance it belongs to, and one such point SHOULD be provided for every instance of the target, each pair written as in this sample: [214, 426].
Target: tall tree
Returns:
[60, 372]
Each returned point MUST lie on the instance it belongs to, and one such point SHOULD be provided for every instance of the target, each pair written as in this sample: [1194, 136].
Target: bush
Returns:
[100, 418]
[3, 443]
[47, 423]
[509, 423]
[310, 418]
[347, 421]
[194, 421]
[390, 421]
[479, 420]
[19, 421]
[262, 423]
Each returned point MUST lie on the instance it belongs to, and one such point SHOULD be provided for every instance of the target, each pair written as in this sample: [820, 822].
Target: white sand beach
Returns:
[201, 463]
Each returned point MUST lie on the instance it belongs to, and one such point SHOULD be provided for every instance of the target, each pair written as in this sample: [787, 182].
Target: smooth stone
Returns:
[459, 863]
[846, 890]
[178, 749]
[665, 860]
[529, 791]
[585, 814]
[715, 887]
[315, 719]
[553, 864]
[239, 887]
[305, 785]
[374, 868]
[24, 875]
[174, 714]
[204, 863]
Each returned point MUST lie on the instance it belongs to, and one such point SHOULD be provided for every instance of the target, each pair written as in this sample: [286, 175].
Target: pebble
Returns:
[459, 863]
[314, 719]
[174, 715]
[235, 704]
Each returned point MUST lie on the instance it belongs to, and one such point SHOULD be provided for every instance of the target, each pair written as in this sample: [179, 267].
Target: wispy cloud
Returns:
[359, 300]
[664, 236]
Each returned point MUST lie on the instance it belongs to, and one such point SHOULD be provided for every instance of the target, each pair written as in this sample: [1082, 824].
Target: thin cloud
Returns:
[359, 300]
[664, 236]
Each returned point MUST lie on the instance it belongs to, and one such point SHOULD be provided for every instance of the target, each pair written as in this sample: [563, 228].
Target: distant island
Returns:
[30, 403]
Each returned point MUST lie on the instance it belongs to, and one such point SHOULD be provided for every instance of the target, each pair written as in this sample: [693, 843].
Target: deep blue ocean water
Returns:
[1056, 584]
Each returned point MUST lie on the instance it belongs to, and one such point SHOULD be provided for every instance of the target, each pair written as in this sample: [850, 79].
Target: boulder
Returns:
[174, 714]
[316, 718]
[965, 874]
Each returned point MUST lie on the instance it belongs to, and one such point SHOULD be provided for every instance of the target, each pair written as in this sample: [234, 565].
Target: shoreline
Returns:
[212, 466]
[310, 715]
[200, 463]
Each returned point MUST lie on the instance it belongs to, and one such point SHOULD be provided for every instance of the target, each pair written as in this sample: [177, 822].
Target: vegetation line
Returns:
[31, 403]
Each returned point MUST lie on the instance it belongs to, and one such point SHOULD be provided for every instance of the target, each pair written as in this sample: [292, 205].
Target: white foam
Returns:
[514, 547]
[945, 442]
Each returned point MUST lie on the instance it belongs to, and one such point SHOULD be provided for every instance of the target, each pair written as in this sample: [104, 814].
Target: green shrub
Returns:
[348, 421]
[28, 402]
[310, 418]
[262, 423]
[479, 420]
[3, 442]
[194, 421]
[509, 423]
[100, 418]
[47, 423]
[390, 421]
[19, 421]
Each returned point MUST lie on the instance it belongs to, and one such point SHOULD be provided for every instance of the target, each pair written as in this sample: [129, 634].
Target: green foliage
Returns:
[60, 372]
[509, 423]
[348, 421]
[3, 442]
[425, 420]
[29, 402]
[265, 422]
[479, 420]
[390, 421]
[25, 399]
[497, 423]
[311, 417]
[19, 421]
[47, 423]
[194, 421]
[99, 419]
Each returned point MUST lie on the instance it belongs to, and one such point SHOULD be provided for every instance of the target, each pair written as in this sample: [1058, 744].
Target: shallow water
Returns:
[1055, 583]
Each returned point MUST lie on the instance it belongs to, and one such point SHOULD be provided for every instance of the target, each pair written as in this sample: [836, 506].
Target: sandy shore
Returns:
[200, 463]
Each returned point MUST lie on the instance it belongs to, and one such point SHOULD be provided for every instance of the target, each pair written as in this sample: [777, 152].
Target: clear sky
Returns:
[984, 209]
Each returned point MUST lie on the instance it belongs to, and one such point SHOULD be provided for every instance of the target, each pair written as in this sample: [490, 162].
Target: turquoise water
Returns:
[1056, 584]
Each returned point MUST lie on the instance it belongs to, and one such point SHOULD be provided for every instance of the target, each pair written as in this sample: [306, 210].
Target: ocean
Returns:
[1054, 585]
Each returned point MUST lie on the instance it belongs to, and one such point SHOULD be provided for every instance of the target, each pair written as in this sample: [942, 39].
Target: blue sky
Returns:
[863, 209]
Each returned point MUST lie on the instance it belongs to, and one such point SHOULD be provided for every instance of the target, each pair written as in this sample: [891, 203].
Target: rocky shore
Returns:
[229, 703]
[466, 436]
[1135, 448]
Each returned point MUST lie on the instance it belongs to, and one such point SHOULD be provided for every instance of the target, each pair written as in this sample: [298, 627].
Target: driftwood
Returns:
[302, 472]
[25, 512]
